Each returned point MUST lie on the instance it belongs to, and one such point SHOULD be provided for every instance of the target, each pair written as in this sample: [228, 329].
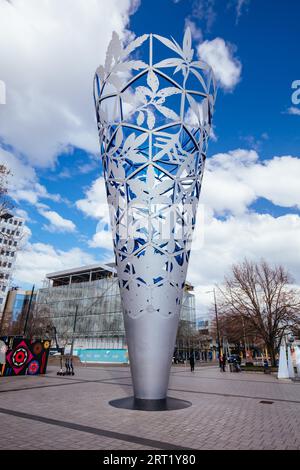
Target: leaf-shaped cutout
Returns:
[169, 44]
[119, 138]
[141, 94]
[140, 118]
[152, 81]
[167, 112]
[116, 81]
[140, 140]
[200, 78]
[130, 245]
[113, 51]
[172, 62]
[187, 45]
[134, 44]
[129, 142]
[201, 65]
[150, 119]
[194, 106]
[150, 177]
[131, 64]
[168, 91]
[100, 72]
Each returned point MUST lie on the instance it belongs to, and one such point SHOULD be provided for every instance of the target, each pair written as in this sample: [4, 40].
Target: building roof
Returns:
[110, 267]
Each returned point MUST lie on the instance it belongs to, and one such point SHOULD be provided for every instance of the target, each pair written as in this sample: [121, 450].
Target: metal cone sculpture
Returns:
[154, 103]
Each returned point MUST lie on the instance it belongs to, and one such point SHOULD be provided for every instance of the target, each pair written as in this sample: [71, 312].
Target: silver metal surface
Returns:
[154, 118]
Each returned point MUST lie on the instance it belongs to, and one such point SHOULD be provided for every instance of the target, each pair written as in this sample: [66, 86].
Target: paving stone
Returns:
[226, 412]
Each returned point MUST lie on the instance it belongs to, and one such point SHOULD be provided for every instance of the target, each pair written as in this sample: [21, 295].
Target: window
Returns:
[6, 276]
[7, 253]
[15, 222]
[3, 288]
[18, 233]
[10, 221]
[9, 265]
[15, 243]
[1, 300]
[4, 264]
[8, 231]
[12, 254]
[10, 242]
[0, 240]
[5, 241]
[20, 223]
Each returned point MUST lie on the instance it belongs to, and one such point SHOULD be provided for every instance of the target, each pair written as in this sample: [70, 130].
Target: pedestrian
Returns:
[224, 363]
[192, 362]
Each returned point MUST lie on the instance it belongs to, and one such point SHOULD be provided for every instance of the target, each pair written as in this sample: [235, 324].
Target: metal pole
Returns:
[74, 326]
[28, 311]
[217, 324]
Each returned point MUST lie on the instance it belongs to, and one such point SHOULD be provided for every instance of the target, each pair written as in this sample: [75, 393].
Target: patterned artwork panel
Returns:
[20, 356]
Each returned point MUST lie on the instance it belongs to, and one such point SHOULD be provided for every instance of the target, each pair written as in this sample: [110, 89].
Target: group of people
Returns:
[222, 362]
[236, 363]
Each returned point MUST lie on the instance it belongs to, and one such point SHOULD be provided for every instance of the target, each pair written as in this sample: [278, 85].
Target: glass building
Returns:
[18, 303]
[83, 306]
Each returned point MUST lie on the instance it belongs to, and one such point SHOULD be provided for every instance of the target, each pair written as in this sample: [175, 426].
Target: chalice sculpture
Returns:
[154, 117]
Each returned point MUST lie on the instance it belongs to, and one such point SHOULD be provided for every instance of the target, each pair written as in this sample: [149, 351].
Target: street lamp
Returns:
[217, 323]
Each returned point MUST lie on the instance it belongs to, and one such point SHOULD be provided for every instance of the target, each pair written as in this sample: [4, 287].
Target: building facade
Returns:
[16, 310]
[11, 230]
[84, 307]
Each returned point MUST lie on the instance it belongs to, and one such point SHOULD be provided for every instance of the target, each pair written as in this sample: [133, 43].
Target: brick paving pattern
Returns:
[52, 412]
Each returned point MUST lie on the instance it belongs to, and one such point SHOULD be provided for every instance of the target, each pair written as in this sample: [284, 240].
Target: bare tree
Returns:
[258, 298]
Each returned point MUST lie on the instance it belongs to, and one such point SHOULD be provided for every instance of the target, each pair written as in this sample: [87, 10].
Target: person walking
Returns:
[224, 363]
[192, 362]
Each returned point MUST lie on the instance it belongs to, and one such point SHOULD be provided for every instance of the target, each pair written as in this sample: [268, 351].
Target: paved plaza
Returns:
[229, 411]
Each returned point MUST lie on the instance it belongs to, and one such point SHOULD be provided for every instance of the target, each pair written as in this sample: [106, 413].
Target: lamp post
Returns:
[217, 323]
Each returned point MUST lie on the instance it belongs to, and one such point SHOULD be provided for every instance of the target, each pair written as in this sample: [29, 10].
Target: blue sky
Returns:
[48, 135]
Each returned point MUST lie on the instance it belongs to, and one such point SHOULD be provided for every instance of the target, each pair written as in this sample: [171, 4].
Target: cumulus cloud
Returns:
[35, 260]
[57, 222]
[256, 236]
[23, 182]
[49, 53]
[220, 56]
[94, 204]
[234, 180]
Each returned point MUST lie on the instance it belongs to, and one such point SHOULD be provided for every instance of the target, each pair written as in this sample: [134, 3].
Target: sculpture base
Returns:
[166, 404]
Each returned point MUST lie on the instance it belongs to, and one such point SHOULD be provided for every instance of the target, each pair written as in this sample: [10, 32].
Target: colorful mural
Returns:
[23, 356]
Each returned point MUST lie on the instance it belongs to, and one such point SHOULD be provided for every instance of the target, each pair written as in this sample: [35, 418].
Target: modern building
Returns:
[84, 307]
[11, 230]
[16, 310]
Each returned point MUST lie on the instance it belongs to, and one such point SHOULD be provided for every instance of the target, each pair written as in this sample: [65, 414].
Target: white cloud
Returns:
[195, 30]
[220, 56]
[255, 236]
[57, 223]
[94, 204]
[294, 111]
[38, 259]
[49, 53]
[23, 182]
[241, 178]
[240, 6]
[102, 239]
